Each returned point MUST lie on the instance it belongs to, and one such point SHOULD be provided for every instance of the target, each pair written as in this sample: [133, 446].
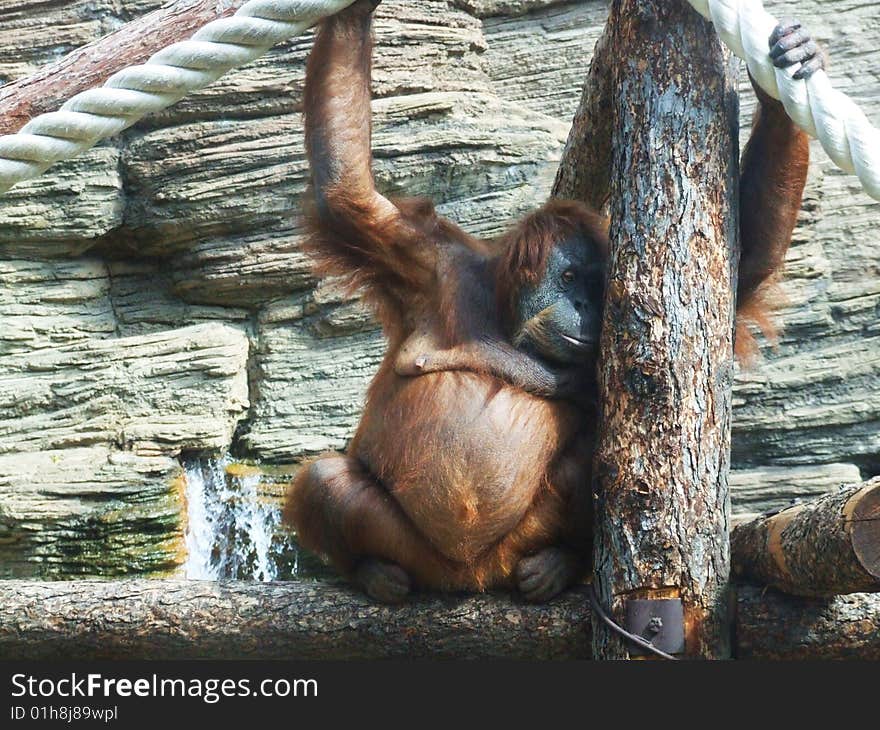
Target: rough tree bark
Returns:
[585, 169]
[820, 548]
[661, 466]
[153, 619]
[159, 619]
[772, 625]
[92, 65]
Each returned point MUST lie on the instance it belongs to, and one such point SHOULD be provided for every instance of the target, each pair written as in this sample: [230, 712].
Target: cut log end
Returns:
[828, 546]
[865, 530]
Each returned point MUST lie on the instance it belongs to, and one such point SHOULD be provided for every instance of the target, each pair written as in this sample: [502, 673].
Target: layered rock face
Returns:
[155, 301]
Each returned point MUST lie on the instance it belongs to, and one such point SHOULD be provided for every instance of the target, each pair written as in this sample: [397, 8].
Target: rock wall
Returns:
[155, 301]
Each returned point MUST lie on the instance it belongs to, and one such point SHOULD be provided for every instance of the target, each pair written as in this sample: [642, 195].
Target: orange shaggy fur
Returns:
[456, 475]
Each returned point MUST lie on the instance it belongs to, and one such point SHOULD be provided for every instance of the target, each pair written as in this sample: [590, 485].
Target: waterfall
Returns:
[233, 530]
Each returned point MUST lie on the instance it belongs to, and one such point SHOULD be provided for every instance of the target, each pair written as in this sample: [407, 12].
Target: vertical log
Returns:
[662, 463]
[585, 169]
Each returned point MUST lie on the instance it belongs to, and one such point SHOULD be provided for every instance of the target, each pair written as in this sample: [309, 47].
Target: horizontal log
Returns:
[824, 547]
[93, 64]
[176, 619]
[773, 625]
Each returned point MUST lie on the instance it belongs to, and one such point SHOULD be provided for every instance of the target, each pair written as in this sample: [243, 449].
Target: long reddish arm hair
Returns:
[378, 246]
[774, 173]
[388, 249]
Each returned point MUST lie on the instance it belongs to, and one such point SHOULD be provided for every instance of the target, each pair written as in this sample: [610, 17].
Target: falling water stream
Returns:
[233, 528]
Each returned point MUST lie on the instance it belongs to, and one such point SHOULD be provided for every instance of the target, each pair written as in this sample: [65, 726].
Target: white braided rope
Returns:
[850, 140]
[164, 79]
[844, 131]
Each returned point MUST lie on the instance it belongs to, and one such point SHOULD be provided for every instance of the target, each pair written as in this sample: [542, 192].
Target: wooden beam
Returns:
[772, 625]
[824, 547]
[93, 64]
[178, 619]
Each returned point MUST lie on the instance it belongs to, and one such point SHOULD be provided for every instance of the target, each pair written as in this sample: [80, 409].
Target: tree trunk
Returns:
[153, 619]
[585, 170]
[772, 625]
[667, 345]
[824, 547]
[92, 65]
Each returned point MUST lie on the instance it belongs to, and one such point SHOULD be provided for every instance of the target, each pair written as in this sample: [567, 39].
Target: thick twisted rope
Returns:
[844, 131]
[164, 79]
[850, 140]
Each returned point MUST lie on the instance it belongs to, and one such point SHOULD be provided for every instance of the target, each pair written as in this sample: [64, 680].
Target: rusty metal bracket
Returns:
[659, 621]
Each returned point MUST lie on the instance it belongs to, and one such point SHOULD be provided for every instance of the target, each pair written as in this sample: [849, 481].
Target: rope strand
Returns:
[743, 25]
[844, 131]
[165, 78]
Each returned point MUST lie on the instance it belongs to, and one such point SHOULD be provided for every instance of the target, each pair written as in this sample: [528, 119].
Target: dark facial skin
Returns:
[560, 318]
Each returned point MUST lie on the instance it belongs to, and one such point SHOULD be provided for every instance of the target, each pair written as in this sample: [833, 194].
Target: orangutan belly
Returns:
[466, 457]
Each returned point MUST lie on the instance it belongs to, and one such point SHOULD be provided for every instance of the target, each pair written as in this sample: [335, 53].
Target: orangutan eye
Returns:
[568, 276]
